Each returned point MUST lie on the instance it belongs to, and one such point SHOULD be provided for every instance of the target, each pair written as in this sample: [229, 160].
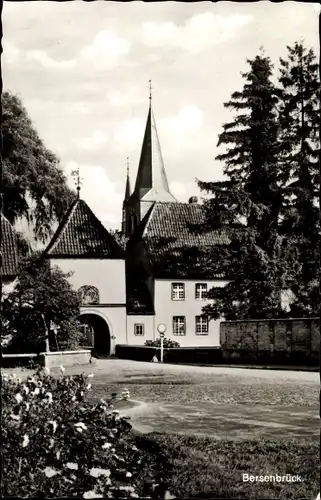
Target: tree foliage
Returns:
[34, 185]
[300, 141]
[41, 297]
[265, 202]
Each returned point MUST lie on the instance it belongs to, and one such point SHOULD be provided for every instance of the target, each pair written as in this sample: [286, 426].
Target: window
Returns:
[139, 329]
[133, 222]
[178, 291]
[201, 325]
[200, 291]
[179, 325]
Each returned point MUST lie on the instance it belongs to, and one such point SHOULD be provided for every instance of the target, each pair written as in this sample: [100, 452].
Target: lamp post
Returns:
[161, 330]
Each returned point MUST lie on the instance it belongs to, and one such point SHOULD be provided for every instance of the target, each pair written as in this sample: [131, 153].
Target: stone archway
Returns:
[99, 330]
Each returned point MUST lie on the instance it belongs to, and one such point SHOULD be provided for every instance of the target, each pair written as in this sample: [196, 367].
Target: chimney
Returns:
[192, 200]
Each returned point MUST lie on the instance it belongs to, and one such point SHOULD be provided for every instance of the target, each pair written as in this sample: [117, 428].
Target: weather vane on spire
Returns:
[150, 89]
[78, 180]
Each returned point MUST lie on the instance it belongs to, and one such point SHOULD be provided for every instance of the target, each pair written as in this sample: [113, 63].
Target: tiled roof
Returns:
[81, 235]
[9, 250]
[175, 246]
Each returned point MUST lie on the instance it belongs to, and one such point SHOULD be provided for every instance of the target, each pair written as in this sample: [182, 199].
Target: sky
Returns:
[82, 72]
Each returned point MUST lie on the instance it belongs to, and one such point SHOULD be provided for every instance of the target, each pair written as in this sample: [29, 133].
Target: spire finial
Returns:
[127, 165]
[150, 90]
[78, 180]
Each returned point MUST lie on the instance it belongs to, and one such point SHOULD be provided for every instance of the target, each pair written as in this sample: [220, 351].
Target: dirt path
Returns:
[225, 421]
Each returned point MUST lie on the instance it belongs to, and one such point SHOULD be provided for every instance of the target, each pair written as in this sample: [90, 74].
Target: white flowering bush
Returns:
[55, 443]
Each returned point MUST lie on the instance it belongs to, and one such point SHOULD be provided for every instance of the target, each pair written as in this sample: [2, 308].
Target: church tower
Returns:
[127, 196]
[151, 181]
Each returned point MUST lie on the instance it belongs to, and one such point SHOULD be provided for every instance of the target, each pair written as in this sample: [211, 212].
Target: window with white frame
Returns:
[201, 325]
[200, 291]
[178, 291]
[139, 329]
[179, 325]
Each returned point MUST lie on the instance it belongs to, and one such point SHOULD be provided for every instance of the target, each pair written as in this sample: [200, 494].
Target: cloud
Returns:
[129, 136]
[125, 97]
[183, 190]
[46, 61]
[11, 53]
[103, 196]
[198, 33]
[105, 50]
[97, 141]
[189, 121]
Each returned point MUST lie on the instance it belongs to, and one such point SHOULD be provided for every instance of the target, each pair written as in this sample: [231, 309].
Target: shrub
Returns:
[41, 296]
[167, 343]
[55, 443]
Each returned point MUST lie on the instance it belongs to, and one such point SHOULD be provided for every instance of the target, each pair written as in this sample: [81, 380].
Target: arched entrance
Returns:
[98, 333]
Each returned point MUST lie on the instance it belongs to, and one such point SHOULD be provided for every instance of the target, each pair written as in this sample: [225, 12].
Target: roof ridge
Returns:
[149, 218]
[62, 226]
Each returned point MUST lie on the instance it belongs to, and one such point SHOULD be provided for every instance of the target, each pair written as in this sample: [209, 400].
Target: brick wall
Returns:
[291, 341]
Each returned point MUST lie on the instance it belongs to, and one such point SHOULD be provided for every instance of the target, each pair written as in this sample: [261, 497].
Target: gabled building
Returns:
[171, 268]
[83, 246]
[169, 262]
[165, 272]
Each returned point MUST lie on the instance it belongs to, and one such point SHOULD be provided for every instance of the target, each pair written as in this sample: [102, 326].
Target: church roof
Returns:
[175, 246]
[81, 235]
[151, 181]
[9, 250]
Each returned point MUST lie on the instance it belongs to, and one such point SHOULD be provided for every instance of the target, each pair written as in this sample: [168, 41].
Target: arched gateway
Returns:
[98, 332]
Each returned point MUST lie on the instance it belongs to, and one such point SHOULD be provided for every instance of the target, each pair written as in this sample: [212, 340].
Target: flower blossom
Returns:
[106, 446]
[25, 441]
[54, 425]
[25, 388]
[62, 369]
[72, 466]
[88, 386]
[96, 472]
[90, 375]
[92, 494]
[129, 474]
[36, 391]
[18, 397]
[50, 472]
[80, 426]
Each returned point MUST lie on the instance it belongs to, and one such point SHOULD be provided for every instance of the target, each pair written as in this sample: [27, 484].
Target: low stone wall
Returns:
[206, 355]
[65, 358]
[278, 341]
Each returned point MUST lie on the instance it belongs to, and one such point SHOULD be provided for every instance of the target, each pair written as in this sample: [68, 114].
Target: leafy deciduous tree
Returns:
[34, 186]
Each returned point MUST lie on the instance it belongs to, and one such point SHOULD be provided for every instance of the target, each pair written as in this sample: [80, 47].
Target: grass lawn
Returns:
[205, 467]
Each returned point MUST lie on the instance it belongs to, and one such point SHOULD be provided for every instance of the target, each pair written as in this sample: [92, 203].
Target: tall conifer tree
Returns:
[248, 204]
[299, 160]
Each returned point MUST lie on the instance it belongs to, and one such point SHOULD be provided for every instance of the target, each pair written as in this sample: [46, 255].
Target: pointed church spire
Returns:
[150, 92]
[151, 181]
[127, 190]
